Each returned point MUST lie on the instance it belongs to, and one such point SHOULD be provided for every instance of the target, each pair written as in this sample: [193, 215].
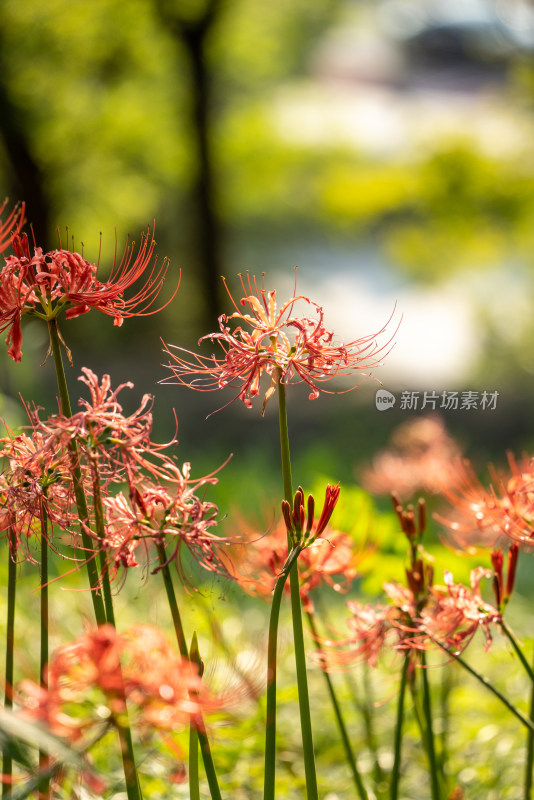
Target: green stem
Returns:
[430, 744]
[270, 716]
[203, 740]
[298, 632]
[530, 734]
[7, 761]
[194, 785]
[445, 693]
[365, 707]
[515, 644]
[44, 787]
[207, 758]
[395, 775]
[133, 788]
[125, 732]
[101, 533]
[530, 751]
[360, 788]
[528, 723]
[171, 598]
[77, 481]
[284, 444]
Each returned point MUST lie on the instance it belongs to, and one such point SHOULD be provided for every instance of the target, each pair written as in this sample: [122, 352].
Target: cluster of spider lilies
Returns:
[92, 490]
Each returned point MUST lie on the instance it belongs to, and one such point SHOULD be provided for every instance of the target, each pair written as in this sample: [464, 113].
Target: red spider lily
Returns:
[377, 629]
[164, 502]
[490, 516]
[46, 284]
[12, 226]
[35, 483]
[166, 688]
[287, 347]
[119, 443]
[163, 690]
[172, 515]
[458, 612]
[422, 456]
[445, 617]
[371, 632]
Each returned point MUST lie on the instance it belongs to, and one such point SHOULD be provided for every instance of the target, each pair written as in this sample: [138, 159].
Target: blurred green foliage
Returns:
[104, 93]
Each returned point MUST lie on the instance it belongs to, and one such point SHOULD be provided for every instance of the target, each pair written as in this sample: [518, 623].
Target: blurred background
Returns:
[385, 147]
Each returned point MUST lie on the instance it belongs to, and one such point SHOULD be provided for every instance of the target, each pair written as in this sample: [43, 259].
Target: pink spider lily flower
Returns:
[119, 442]
[370, 633]
[172, 515]
[12, 225]
[46, 284]
[164, 691]
[443, 618]
[286, 346]
[458, 612]
[422, 456]
[488, 517]
[34, 486]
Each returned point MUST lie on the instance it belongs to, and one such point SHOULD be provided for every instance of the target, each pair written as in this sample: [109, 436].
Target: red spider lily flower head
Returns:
[12, 225]
[163, 502]
[458, 612]
[35, 486]
[172, 515]
[164, 691]
[445, 618]
[422, 456]
[287, 346]
[371, 632]
[166, 688]
[115, 442]
[489, 517]
[46, 284]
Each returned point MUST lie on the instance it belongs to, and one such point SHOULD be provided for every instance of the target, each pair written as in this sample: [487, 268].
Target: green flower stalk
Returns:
[194, 787]
[81, 501]
[44, 788]
[270, 714]
[7, 762]
[397, 746]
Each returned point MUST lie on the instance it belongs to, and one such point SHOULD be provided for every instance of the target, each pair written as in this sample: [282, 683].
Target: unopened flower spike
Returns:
[300, 520]
[501, 589]
[412, 520]
[419, 573]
